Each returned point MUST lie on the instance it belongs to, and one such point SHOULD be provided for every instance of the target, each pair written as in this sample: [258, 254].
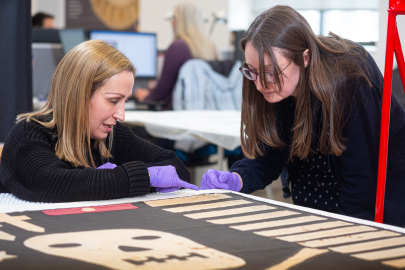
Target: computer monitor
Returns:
[70, 38]
[45, 59]
[40, 35]
[140, 48]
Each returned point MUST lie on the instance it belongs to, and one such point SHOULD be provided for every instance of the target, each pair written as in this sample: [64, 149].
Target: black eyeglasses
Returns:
[252, 75]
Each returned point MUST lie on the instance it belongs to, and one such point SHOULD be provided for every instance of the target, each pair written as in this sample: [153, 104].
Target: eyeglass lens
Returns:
[248, 74]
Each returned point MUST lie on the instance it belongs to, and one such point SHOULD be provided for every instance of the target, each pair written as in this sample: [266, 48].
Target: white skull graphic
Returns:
[133, 248]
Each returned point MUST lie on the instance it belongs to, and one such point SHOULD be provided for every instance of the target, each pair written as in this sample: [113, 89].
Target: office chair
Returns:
[202, 85]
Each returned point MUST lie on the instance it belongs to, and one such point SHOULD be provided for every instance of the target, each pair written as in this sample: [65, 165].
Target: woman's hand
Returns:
[214, 179]
[141, 94]
[165, 179]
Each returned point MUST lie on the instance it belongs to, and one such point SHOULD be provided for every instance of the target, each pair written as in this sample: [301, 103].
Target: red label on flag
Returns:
[89, 209]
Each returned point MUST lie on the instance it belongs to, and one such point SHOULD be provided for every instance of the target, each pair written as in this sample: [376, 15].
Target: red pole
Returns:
[385, 117]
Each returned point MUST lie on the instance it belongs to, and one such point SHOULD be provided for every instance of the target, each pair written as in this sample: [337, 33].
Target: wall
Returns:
[317, 4]
[381, 44]
[257, 6]
[53, 7]
[152, 13]
[240, 14]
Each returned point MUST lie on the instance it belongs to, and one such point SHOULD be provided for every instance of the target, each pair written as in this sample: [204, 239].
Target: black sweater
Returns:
[31, 171]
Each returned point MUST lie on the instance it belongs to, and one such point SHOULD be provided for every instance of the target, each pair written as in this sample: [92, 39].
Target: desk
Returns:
[212, 229]
[221, 128]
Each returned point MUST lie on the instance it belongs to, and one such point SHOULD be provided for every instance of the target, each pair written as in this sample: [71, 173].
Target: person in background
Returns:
[190, 41]
[43, 20]
[312, 104]
[52, 155]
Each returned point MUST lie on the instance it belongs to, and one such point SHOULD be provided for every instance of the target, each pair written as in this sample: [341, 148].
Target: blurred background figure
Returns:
[190, 41]
[43, 20]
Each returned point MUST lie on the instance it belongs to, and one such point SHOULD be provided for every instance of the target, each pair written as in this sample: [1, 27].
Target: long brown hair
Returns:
[81, 72]
[330, 65]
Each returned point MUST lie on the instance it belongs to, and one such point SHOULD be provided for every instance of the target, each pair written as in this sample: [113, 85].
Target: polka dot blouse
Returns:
[313, 183]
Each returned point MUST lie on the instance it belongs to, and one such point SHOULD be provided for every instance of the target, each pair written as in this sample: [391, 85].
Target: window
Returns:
[358, 25]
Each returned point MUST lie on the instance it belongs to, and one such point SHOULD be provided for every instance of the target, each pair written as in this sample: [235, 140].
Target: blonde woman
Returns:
[52, 155]
[190, 42]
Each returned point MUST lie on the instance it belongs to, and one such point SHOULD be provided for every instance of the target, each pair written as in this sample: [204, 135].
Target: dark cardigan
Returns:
[176, 55]
[356, 169]
[31, 171]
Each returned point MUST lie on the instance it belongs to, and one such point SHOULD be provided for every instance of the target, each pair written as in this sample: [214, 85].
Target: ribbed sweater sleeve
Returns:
[128, 146]
[31, 171]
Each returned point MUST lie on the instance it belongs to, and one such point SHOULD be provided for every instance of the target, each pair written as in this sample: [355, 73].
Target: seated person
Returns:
[43, 20]
[52, 155]
[190, 42]
[317, 121]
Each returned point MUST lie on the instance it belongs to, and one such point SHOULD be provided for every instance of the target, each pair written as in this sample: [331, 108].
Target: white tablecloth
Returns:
[218, 127]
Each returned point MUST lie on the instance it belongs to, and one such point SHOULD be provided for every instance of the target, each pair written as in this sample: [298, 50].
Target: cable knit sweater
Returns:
[31, 171]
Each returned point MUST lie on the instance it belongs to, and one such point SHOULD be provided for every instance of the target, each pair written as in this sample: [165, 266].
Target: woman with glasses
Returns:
[75, 148]
[312, 106]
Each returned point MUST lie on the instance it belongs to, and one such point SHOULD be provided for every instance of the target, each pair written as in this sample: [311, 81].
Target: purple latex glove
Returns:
[108, 165]
[213, 179]
[165, 179]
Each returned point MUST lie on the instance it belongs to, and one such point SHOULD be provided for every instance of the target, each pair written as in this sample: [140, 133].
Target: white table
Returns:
[221, 128]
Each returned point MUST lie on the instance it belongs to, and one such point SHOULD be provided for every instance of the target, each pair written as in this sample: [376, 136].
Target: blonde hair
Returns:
[189, 27]
[81, 72]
